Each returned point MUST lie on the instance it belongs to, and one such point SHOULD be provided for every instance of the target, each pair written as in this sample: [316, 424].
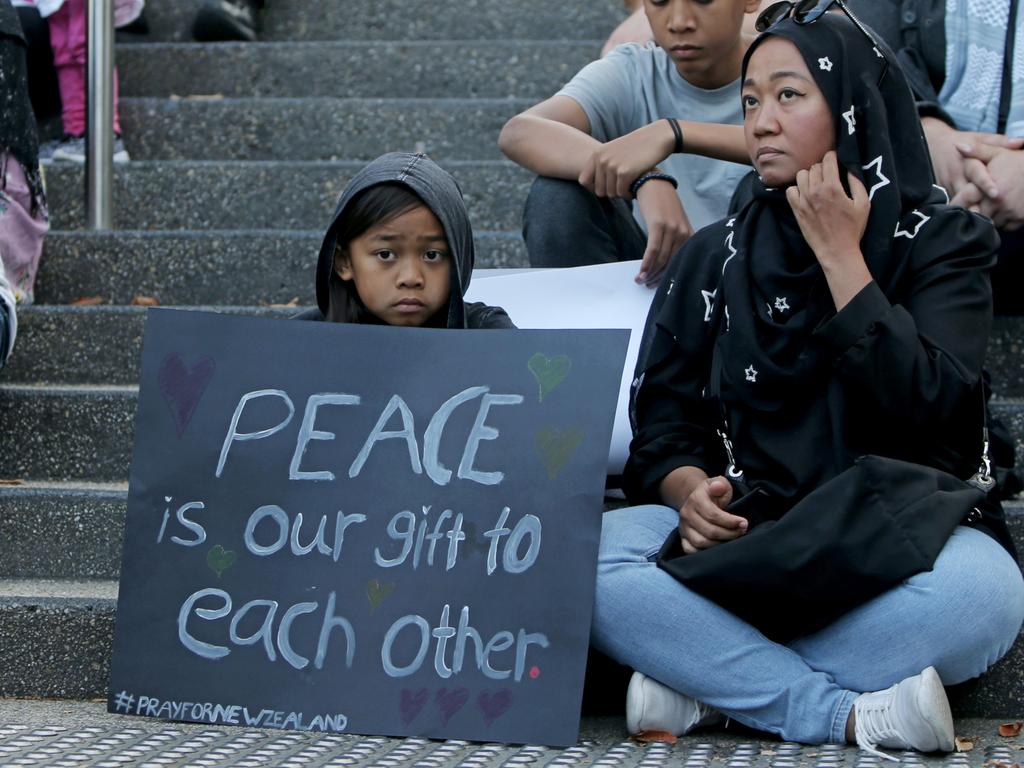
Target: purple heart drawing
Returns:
[183, 388]
[494, 705]
[450, 702]
[412, 703]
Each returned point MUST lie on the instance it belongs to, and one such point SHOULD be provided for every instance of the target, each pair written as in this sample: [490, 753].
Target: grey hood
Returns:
[440, 192]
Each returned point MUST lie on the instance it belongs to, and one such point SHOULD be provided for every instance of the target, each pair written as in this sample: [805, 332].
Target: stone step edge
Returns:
[155, 234]
[450, 101]
[1014, 508]
[512, 44]
[86, 390]
[49, 165]
[55, 592]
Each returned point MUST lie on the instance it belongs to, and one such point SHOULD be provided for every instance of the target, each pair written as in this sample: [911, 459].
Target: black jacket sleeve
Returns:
[674, 424]
[480, 315]
[915, 357]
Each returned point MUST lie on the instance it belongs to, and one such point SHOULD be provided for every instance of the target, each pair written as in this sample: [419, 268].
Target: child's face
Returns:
[401, 269]
[786, 120]
[702, 37]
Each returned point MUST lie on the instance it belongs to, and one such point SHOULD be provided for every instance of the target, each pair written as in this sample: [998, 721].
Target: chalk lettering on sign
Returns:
[482, 432]
[233, 435]
[413, 535]
[227, 714]
[264, 632]
[307, 433]
[378, 433]
[280, 525]
[197, 529]
[273, 645]
[463, 634]
[163, 523]
[432, 436]
[527, 526]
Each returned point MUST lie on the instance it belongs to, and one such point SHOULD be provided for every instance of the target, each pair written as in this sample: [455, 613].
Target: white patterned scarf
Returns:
[975, 48]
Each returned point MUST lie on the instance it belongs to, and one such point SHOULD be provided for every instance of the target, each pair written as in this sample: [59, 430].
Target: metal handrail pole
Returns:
[99, 148]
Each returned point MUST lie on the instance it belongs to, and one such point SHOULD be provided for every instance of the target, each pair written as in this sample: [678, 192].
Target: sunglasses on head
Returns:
[809, 11]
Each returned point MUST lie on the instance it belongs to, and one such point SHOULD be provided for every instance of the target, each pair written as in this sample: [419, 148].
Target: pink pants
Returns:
[67, 38]
[21, 233]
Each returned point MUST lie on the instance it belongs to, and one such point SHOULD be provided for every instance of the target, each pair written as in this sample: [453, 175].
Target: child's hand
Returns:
[615, 165]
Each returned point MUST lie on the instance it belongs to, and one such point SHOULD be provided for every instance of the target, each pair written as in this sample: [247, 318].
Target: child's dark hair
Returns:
[375, 205]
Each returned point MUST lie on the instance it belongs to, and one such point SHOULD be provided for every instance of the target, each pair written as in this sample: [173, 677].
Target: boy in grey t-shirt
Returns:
[595, 143]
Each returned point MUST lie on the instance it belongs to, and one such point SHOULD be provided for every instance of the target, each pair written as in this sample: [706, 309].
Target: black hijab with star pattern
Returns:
[773, 291]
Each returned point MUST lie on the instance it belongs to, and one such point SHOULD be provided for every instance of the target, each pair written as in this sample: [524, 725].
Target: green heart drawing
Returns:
[556, 447]
[548, 371]
[220, 559]
[378, 591]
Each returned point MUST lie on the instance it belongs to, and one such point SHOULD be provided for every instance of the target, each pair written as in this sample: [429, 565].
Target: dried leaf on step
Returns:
[11, 481]
[87, 301]
[293, 303]
[1011, 730]
[205, 96]
[662, 737]
[964, 743]
[145, 301]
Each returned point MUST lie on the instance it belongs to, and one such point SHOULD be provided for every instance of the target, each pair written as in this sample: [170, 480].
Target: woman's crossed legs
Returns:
[960, 617]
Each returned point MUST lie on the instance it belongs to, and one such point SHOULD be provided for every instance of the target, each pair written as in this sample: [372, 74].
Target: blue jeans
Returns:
[960, 617]
[564, 225]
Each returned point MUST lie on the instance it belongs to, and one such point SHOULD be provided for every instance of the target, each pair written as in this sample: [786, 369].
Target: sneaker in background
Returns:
[120, 153]
[651, 706]
[47, 148]
[913, 714]
[71, 149]
[227, 20]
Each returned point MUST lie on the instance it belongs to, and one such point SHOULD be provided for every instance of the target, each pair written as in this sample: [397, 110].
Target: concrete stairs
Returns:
[239, 152]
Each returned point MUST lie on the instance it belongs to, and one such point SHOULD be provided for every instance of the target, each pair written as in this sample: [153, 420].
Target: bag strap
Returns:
[1006, 86]
[715, 390]
[982, 479]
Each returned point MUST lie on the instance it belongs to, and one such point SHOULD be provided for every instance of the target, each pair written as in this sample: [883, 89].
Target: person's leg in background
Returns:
[565, 225]
[67, 38]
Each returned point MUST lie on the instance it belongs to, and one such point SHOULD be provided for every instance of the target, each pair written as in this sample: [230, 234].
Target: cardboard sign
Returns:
[364, 529]
[595, 296]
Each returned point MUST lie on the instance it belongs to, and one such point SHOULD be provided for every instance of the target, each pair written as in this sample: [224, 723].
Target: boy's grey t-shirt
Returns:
[634, 86]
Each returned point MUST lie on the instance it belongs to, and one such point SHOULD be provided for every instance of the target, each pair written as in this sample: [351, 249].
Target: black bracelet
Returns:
[644, 178]
[678, 133]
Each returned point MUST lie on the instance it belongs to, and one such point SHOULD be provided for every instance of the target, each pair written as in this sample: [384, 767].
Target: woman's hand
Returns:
[833, 224]
[667, 228]
[703, 521]
[615, 165]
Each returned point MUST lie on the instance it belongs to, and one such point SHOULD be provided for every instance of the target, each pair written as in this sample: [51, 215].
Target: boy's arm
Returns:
[615, 165]
[551, 138]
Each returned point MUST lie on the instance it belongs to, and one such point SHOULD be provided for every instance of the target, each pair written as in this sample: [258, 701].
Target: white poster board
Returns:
[598, 296]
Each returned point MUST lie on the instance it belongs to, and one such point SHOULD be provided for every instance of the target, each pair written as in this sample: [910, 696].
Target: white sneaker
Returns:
[913, 714]
[71, 149]
[651, 706]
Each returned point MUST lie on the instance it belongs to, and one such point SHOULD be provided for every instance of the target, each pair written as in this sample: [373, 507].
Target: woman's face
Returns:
[787, 122]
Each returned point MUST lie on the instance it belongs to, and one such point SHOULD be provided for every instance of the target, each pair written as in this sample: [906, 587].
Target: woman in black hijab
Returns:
[844, 311]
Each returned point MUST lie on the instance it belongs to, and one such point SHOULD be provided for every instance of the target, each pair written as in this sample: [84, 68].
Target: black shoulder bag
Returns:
[861, 533]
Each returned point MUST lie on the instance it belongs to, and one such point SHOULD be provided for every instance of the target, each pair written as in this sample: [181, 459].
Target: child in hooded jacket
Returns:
[399, 251]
